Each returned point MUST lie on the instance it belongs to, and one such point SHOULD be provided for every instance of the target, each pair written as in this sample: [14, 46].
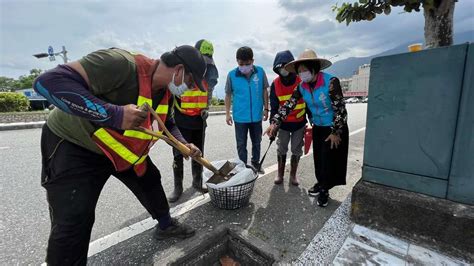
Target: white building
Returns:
[360, 80]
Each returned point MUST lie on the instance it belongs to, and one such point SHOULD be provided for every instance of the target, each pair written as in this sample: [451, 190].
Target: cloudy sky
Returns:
[153, 27]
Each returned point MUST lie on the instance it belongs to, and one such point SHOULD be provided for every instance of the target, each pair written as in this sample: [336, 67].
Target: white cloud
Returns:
[153, 27]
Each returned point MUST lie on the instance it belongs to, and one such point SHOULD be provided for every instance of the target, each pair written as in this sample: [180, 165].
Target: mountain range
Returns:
[345, 68]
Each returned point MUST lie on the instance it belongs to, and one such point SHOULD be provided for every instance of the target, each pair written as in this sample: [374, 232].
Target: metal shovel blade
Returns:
[223, 173]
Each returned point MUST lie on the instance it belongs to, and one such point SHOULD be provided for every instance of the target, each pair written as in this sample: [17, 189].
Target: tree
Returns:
[8, 84]
[26, 81]
[438, 16]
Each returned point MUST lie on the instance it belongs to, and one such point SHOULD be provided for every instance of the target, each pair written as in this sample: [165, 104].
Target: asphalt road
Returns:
[24, 222]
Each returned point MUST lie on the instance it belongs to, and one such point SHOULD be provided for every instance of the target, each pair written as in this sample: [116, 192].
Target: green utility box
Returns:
[420, 122]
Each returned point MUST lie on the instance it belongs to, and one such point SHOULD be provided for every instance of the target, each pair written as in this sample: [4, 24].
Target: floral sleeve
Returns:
[286, 108]
[338, 106]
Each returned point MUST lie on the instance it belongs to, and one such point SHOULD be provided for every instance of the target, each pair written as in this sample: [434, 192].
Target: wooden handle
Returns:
[171, 140]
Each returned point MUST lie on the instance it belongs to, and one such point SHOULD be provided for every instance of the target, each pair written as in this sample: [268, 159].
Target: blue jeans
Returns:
[255, 130]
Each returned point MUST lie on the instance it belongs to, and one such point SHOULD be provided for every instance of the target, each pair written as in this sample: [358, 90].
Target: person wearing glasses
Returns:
[246, 90]
[93, 134]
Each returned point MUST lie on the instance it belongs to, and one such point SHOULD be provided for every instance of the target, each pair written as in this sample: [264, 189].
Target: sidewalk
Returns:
[341, 242]
[39, 124]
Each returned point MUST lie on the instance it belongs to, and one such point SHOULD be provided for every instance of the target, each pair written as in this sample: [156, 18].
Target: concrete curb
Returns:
[39, 124]
[22, 125]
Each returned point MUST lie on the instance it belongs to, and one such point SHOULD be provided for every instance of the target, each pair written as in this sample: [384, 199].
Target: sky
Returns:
[154, 27]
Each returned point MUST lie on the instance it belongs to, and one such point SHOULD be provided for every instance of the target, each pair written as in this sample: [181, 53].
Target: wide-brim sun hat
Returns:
[307, 55]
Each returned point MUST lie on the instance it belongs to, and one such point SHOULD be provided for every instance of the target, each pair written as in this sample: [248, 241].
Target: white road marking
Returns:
[4, 148]
[123, 234]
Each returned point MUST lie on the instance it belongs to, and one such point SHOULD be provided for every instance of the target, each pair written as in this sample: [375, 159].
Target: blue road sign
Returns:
[50, 51]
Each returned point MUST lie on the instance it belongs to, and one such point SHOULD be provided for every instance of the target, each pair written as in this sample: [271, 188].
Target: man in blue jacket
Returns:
[247, 89]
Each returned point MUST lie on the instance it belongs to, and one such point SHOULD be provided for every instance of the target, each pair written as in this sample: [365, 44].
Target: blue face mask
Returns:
[177, 90]
[246, 69]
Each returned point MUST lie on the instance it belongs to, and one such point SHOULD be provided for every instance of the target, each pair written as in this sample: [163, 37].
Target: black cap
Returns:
[193, 62]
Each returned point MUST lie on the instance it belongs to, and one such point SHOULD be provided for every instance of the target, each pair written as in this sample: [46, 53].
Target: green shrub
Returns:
[13, 102]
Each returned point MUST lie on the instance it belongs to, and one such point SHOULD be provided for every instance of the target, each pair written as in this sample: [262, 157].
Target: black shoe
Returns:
[314, 191]
[323, 198]
[175, 229]
[197, 185]
[259, 170]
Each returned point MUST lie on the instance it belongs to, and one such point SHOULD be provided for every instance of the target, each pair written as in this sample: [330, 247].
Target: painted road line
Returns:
[123, 234]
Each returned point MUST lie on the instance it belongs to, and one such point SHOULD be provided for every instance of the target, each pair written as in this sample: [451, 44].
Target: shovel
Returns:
[220, 175]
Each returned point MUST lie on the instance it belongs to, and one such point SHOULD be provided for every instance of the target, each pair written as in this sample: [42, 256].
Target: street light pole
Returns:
[63, 54]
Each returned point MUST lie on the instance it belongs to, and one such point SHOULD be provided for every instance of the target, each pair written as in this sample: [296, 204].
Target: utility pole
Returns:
[52, 55]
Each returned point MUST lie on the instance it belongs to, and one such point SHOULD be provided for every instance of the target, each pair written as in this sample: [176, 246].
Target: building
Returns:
[358, 85]
[37, 102]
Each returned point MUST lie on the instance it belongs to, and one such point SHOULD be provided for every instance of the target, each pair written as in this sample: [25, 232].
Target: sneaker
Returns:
[175, 229]
[323, 198]
[314, 191]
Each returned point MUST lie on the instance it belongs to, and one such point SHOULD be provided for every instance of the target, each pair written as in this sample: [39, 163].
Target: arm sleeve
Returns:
[286, 108]
[274, 102]
[265, 81]
[174, 130]
[228, 85]
[170, 122]
[211, 77]
[68, 92]
[338, 106]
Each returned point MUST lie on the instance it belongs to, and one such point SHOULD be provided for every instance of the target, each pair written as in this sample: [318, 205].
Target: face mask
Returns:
[306, 76]
[283, 72]
[245, 69]
[177, 90]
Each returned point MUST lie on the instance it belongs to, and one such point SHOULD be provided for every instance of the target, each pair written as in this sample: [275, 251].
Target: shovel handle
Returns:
[171, 140]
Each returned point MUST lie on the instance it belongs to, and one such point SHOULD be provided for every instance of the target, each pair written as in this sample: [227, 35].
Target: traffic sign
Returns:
[50, 51]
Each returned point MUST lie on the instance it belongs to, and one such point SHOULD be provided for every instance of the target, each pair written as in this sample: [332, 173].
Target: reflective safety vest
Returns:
[284, 93]
[130, 148]
[192, 101]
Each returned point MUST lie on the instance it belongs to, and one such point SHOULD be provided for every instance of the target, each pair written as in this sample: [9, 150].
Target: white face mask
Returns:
[177, 90]
[283, 72]
[246, 69]
[306, 76]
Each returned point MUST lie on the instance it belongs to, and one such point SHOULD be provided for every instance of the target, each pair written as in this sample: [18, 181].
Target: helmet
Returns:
[205, 47]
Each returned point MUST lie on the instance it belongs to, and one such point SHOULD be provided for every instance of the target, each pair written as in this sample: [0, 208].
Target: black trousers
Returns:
[73, 178]
[330, 165]
[196, 137]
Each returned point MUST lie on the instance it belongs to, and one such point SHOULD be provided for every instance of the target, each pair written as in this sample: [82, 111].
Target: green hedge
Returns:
[13, 102]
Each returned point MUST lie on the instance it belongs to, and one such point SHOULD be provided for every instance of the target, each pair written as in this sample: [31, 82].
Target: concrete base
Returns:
[444, 225]
[224, 241]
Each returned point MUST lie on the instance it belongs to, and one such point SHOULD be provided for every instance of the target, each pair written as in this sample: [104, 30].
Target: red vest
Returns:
[130, 148]
[192, 101]
[284, 93]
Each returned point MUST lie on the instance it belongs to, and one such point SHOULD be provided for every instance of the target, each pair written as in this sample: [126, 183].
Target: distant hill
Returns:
[346, 67]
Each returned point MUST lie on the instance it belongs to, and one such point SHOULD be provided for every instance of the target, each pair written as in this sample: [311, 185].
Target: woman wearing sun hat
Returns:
[322, 94]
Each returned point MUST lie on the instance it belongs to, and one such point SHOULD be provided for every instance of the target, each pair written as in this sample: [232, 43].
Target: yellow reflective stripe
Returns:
[194, 93]
[300, 114]
[300, 106]
[284, 97]
[116, 146]
[142, 100]
[162, 109]
[139, 135]
[193, 105]
[142, 159]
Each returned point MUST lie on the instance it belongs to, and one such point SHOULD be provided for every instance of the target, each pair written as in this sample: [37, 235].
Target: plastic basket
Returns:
[231, 198]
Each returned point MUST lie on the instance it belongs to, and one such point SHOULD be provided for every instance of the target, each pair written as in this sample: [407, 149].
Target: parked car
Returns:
[352, 100]
[365, 99]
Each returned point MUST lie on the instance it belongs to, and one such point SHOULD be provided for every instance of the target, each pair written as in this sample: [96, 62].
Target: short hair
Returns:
[244, 53]
[313, 66]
